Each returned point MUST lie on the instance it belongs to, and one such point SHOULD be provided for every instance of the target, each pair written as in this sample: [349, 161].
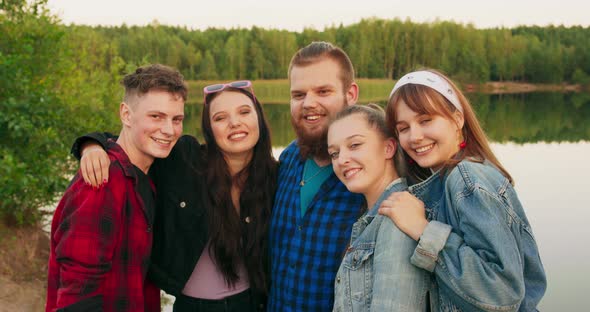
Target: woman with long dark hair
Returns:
[213, 206]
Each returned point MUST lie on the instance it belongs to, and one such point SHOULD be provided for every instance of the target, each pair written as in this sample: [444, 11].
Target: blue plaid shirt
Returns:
[306, 251]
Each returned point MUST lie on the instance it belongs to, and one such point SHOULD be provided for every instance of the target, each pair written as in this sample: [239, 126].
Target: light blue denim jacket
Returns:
[376, 273]
[479, 243]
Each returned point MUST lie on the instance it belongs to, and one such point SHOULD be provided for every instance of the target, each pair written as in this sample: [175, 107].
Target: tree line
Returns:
[378, 48]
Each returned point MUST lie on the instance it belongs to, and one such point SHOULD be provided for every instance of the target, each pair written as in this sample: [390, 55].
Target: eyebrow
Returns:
[162, 113]
[156, 112]
[355, 135]
[324, 86]
[241, 106]
[348, 138]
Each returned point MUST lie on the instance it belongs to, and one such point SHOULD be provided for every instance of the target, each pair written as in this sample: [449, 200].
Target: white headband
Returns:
[430, 80]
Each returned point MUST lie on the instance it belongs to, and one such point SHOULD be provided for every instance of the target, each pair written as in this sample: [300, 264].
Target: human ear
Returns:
[459, 119]
[390, 148]
[125, 114]
[352, 94]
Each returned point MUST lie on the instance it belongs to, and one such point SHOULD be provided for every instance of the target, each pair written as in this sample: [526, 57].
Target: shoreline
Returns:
[511, 87]
[276, 91]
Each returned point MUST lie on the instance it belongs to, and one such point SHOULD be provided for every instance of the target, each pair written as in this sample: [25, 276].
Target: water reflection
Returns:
[520, 118]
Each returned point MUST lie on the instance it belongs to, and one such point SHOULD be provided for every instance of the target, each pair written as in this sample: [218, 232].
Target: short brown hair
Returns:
[320, 50]
[154, 77]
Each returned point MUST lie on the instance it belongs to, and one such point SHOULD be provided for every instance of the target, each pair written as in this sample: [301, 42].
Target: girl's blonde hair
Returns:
[375, 117]
[425, 100]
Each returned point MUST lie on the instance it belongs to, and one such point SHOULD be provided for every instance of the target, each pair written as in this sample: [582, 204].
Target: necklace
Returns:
[304, 180]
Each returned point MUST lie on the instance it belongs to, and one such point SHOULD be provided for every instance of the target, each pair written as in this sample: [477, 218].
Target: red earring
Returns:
[462, 145]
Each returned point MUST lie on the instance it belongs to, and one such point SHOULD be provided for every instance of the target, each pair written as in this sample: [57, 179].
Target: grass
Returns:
[371, 90]
[277, 91]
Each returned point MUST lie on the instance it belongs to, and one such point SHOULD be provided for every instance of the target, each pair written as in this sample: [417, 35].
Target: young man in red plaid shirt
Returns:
[101, 238]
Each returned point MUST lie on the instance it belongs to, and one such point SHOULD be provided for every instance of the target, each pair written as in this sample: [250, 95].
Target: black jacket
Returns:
[180, 228]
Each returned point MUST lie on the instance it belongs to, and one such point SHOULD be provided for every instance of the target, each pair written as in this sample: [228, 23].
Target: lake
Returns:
[543, 139]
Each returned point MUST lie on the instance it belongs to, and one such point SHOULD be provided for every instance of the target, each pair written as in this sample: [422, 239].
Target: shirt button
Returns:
[182, 204]
[149, 229]
[299, 227]
[338, 279]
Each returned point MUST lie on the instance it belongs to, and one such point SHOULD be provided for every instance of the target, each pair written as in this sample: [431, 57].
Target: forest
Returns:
[378, 49]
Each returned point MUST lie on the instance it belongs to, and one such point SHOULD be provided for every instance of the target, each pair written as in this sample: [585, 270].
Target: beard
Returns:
[311, 144]
[314, 144]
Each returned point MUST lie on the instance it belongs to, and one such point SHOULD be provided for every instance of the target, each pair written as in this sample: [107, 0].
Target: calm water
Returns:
[551, 180]
[544, 141]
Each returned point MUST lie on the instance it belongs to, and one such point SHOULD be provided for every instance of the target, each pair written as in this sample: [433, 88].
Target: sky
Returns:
[317, 14]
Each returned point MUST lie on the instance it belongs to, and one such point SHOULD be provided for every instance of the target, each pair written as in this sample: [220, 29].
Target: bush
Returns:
[50, 92]
[581, 77]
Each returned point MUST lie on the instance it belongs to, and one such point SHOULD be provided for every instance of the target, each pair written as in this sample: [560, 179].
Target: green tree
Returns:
[53, 86]
[208, 69]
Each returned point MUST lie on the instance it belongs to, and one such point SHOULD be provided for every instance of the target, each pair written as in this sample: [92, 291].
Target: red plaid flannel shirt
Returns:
[100, 244]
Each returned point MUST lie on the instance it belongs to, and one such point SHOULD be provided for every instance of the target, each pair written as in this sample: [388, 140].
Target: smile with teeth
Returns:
[312, 117]
[161, 141]
[424, 148]
[350, 172]
[235, 136]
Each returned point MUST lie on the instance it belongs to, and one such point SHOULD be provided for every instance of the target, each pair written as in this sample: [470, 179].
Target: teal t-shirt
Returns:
[313, 178]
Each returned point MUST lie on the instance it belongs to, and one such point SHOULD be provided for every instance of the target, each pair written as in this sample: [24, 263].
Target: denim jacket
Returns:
[376, 273]
[479, 242]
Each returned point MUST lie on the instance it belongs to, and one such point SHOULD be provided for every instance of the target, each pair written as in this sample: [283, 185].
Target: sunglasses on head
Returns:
[241, 84]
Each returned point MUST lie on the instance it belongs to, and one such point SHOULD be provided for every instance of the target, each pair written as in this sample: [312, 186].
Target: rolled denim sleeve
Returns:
[397, 284]
[431, 242]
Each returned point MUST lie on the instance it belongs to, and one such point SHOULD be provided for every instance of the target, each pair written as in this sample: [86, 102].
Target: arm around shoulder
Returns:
[99, 138]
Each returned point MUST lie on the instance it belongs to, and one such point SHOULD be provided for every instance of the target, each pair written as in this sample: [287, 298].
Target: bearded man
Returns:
[313, 211]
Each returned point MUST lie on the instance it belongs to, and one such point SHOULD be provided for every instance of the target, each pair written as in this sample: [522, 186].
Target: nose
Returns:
[343, 158]
[309, 101]
[416, 134]
[234, 121]
[168, 127]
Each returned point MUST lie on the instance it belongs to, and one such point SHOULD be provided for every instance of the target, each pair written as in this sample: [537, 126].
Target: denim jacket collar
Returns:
[358, 227]
[430, 191]
[396, 185]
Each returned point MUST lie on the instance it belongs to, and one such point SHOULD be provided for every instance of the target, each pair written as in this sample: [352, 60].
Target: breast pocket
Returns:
[187, 213]
[358, 265]
[357, 256]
